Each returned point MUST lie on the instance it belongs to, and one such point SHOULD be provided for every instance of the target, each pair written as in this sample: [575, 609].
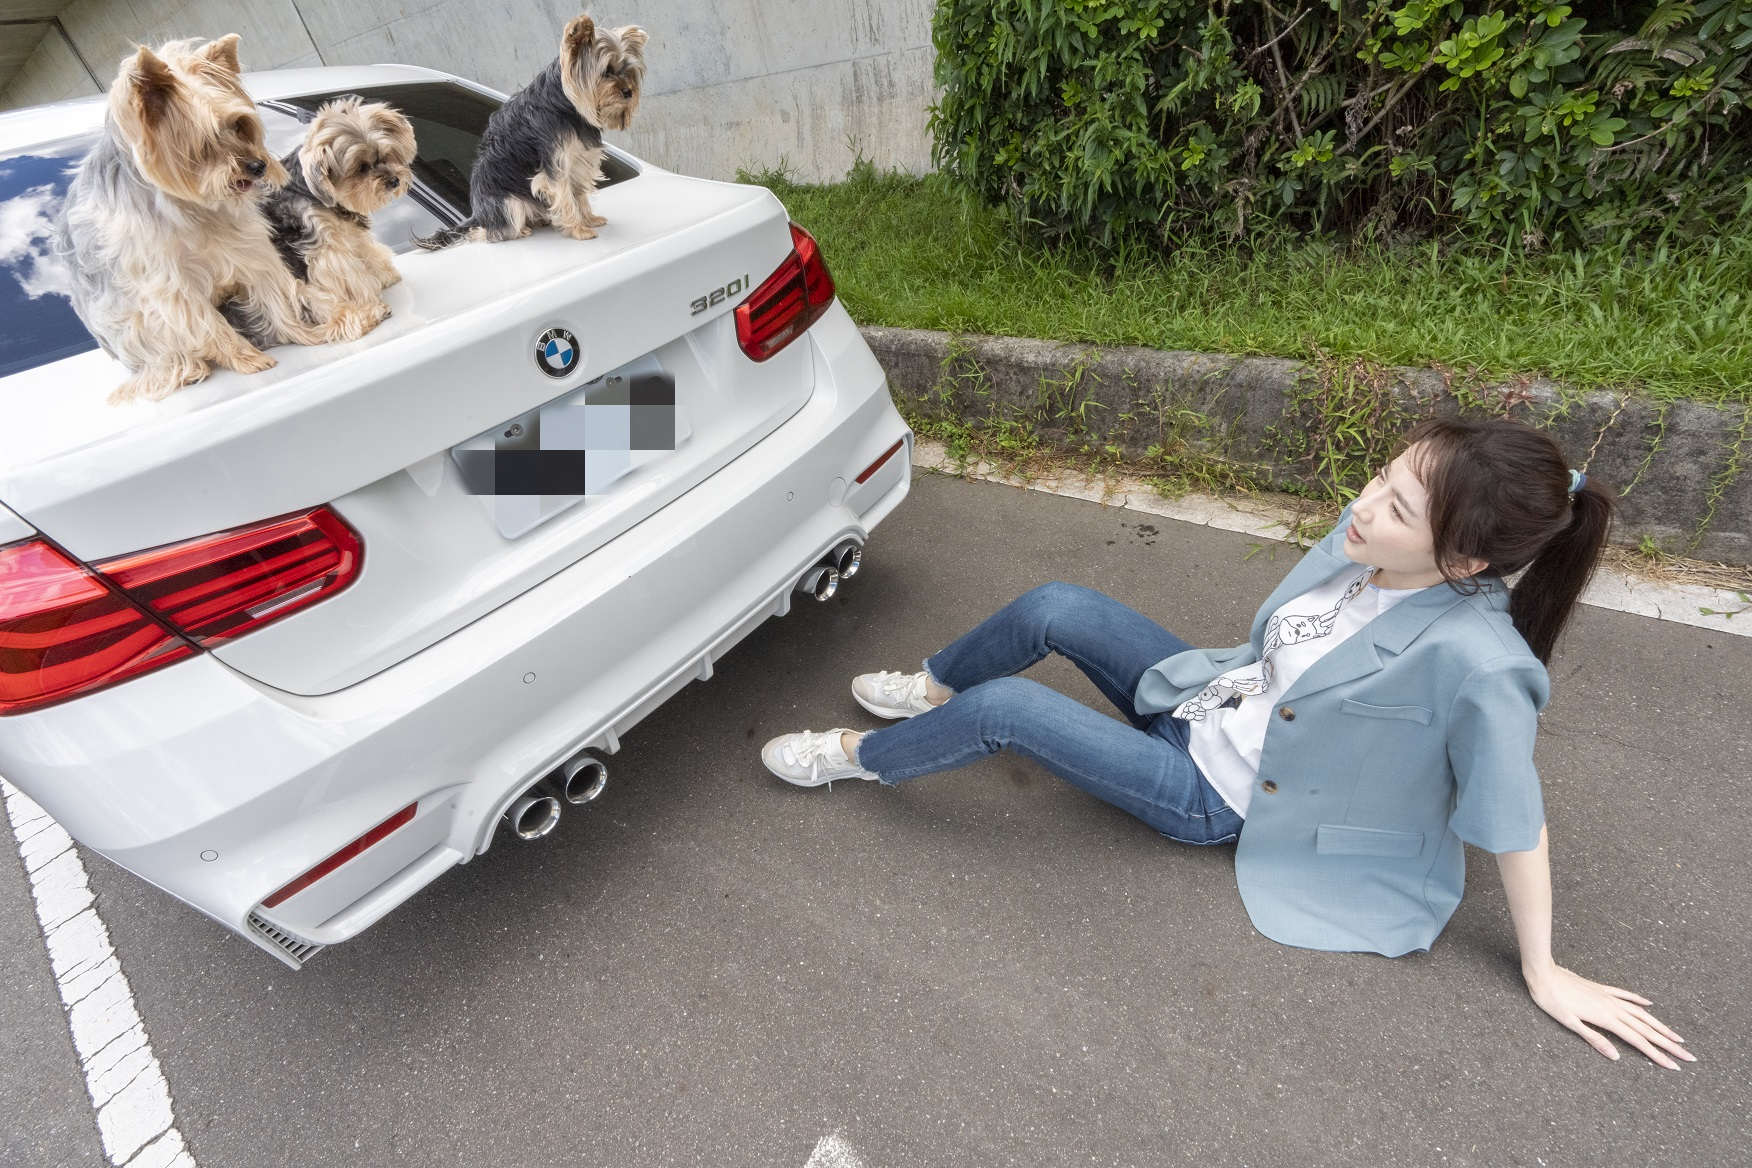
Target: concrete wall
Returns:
[736, 83]
[50, 73]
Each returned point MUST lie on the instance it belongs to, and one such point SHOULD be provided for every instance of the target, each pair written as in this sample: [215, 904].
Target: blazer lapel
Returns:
[1361, 654]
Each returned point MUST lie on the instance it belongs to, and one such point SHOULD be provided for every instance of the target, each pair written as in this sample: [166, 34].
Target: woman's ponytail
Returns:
[1546, 595]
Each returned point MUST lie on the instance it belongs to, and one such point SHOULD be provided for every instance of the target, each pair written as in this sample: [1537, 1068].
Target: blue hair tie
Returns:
[1578, 480]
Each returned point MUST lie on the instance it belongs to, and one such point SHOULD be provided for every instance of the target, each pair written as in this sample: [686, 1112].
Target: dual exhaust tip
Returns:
[823, 580]
[583, 777]
[537, 811]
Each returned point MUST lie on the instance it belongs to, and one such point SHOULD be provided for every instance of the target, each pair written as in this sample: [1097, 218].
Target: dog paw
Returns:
[346, 325]
[249, 361]
[595, 220]
[579, 231]
[160, 381]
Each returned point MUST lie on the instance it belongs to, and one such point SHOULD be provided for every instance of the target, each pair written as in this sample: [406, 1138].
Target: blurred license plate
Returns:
[537, 464]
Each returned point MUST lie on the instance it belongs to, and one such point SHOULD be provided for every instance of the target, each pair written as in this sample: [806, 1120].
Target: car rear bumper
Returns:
[220, 790]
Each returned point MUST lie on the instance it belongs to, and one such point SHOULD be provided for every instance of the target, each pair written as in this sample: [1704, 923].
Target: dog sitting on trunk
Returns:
[354, 161]
[161, 225]
[539, 159]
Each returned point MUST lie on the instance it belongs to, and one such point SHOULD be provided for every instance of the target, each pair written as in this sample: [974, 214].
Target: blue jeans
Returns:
[1143, 768]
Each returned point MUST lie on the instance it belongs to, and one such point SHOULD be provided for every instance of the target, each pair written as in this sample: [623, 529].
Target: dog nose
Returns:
[256, 167]
[392, 182]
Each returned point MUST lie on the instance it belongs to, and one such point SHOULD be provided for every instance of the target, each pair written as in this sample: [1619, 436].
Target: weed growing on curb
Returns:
[1721, 481]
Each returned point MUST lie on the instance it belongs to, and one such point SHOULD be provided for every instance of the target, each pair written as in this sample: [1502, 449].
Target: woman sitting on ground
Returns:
[1382, 712]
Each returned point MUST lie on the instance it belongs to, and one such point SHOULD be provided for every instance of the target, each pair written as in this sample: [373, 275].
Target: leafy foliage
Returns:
[1526, 121]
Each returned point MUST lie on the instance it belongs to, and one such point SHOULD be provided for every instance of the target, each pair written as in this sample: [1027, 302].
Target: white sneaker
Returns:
[808, 759]
[892, 695]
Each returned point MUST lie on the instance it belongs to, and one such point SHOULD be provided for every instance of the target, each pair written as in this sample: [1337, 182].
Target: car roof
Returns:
[27, 127]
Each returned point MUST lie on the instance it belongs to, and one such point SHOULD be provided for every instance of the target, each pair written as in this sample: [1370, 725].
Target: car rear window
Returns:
[39, 325]
[448, 121]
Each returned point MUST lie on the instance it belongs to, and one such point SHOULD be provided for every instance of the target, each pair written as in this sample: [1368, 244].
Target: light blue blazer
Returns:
[1412, 735]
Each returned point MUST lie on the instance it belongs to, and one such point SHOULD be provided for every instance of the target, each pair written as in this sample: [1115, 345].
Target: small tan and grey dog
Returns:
[354, 161]
[540, 157]
[161, 225]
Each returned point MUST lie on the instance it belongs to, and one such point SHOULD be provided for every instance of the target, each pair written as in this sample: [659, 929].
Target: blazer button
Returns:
[1286, 713]
[1269, 787]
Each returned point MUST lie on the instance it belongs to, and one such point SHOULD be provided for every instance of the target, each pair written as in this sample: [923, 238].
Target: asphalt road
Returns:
[988, 967]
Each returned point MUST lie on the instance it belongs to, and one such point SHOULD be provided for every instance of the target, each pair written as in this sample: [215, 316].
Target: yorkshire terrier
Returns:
[539, 159]
[160, 225]
[355, 160]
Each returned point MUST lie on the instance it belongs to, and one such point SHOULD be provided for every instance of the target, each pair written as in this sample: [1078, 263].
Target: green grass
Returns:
[1669, 322]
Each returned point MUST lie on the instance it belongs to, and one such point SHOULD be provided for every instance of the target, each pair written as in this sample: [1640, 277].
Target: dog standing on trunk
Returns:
[161, 225]
[540, 157]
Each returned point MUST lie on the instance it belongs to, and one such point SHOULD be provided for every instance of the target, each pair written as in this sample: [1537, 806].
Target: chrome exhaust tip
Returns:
[580, 780]
[820, 582]
[848, 558]
[534, 814]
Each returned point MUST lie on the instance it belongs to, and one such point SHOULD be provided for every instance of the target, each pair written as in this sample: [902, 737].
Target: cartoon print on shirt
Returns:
[1282, 629]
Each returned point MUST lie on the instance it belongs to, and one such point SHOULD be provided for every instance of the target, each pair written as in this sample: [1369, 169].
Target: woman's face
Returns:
[1390, 527]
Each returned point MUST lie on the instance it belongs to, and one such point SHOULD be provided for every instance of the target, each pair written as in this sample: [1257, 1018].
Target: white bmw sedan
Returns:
[291, 645]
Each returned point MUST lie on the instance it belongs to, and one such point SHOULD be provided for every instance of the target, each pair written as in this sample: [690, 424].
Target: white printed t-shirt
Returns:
[1227, 740]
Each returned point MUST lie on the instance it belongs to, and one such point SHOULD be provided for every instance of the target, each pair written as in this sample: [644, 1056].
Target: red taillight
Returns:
[880, 462]
[787, 302]
[64, 632]
[221, 586]
[67, 630]
[374, 836]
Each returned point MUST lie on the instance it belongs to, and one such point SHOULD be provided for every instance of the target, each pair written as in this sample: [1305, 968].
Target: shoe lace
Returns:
[904, 686]
[810, 749]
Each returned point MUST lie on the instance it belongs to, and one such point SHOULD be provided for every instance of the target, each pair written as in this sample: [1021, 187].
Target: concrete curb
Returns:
[1674, 464]
[1266, 518]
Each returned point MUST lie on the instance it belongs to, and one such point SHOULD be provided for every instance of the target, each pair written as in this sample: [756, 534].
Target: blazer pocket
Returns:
[1333, 839]
[1416, 714]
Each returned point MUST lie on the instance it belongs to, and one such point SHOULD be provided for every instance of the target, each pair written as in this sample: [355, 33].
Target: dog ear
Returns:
[632, 39]
[315, 176]
[393, 127]
[580, 33]
[151, 83]
[223, 52]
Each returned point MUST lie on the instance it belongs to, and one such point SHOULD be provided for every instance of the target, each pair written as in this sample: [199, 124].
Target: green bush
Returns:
[1524, 121]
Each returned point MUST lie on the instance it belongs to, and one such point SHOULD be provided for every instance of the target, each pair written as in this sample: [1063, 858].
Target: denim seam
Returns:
[1185, 814]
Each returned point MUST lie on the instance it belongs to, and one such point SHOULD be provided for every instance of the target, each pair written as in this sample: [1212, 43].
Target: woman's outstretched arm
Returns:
[1575, 1001]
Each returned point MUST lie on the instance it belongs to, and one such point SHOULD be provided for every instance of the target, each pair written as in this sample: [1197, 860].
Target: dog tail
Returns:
[439, 240]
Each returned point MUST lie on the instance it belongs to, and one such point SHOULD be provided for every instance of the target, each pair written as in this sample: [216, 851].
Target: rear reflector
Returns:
[65, 632]
[375, 836]
[787, 302]
[877, 465]
[68, 630]
[219, 587]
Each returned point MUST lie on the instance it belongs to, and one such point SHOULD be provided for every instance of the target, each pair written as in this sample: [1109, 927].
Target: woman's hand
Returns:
[1582, 1005]
[1572, 999]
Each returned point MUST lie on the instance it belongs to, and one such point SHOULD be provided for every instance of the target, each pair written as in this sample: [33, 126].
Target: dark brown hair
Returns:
[1499, 492]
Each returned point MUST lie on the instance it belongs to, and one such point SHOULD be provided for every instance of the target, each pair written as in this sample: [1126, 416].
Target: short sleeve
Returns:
[1491, 729]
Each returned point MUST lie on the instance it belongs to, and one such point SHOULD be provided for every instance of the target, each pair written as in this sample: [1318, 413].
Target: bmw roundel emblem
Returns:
[556, 352]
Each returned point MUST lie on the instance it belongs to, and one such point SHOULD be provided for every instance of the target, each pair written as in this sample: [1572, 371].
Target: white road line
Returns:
[833, 1152]
[126, 1084]
[1619, 591]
